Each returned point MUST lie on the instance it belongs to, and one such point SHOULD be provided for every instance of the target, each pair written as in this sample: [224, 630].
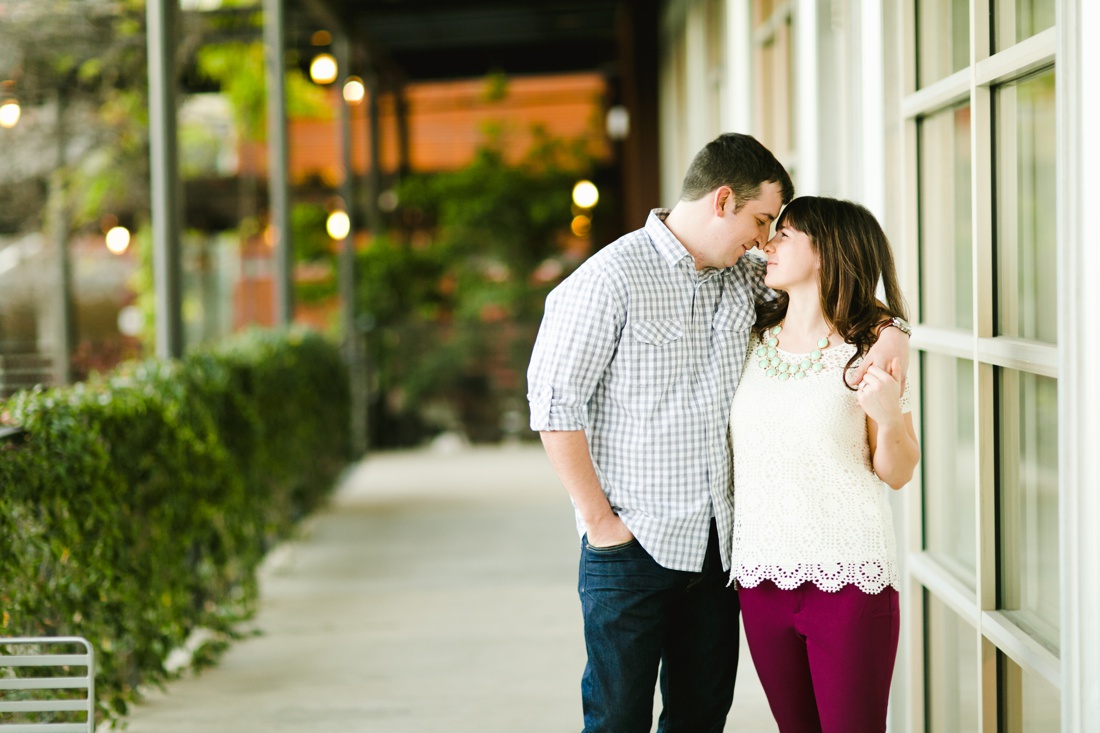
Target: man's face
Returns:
[740, 231]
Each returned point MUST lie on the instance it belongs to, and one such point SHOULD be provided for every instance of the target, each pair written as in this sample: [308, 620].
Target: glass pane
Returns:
[762, 10]
[1028, 502]
[1029, 704]
[775, 81]
[943, 39]
[716, 24]
[945, 236]
[948, 463]
[950, 670]
[1018, 20]
[1026, 223]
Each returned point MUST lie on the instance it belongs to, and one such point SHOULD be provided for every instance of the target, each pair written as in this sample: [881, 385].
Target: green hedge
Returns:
[139, 504]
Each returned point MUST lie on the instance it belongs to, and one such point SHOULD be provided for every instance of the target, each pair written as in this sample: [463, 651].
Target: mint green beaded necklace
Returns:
[779, 368]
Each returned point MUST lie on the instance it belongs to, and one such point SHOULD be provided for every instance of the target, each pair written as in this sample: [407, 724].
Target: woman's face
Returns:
[792, 261]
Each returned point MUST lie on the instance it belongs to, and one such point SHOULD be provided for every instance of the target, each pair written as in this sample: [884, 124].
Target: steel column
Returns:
[348, 279]
[60, 228]
[278, 173]
[163, 19]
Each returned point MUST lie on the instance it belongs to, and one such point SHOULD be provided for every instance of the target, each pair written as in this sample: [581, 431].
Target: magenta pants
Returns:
[824, 659]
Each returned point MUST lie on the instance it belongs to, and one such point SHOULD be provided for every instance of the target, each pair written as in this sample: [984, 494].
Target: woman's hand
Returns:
[879, 394]
[894, 448]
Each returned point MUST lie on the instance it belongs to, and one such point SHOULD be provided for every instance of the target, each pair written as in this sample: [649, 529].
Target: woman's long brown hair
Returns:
[855, 255]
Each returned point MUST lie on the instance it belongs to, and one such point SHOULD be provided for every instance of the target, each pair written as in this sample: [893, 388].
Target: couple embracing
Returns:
[724, 424]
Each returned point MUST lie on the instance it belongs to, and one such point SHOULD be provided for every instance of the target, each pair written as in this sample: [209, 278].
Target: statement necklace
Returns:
[779, 368]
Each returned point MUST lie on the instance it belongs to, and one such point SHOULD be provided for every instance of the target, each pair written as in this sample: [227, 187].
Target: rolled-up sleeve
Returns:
[576, 342]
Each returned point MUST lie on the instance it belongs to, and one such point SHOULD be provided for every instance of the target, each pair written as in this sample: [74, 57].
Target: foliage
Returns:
[238, 68]
[494, 222]
[140, 503]
[452, 291]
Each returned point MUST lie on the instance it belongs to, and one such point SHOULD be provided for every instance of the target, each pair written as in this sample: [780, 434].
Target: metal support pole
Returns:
[374, 173]
[162, 17]
[65, 333]
[278, 174]
[348, 278]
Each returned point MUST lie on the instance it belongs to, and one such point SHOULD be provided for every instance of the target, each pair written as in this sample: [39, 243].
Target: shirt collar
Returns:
[664, 241]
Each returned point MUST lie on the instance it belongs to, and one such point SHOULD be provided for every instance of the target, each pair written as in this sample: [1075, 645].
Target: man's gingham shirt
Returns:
[643, 352]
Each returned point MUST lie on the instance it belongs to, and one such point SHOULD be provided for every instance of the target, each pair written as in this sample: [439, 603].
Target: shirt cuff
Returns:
[545, 415]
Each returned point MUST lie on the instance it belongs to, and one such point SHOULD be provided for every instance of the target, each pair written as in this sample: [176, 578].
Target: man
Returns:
[630, 385]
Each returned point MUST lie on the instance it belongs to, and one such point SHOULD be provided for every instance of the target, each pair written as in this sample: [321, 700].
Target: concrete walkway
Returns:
[436, 592]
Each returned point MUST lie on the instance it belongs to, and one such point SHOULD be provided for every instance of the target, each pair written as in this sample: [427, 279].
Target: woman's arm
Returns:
[894, 448]
[891, 344]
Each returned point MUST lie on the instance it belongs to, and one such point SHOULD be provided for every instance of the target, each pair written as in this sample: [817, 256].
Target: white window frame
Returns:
[1075, 671]
[1078, 111]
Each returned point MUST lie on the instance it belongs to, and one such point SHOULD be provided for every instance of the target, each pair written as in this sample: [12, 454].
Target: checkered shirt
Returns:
[643, 352]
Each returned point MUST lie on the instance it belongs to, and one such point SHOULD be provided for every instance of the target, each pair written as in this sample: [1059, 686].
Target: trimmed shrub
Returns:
[138, 505]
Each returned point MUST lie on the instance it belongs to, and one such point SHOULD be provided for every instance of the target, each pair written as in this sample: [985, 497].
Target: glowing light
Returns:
[321, 38]
[118, 240]
[130, 321]
[354, 91]
[388, 201]
[323, 69]
[338, 225]
[9, 113]
[581, 226]
[585, 194]
[618, 122]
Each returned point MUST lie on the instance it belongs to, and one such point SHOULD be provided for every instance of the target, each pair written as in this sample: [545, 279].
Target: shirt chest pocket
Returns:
[730, 331]
[656, 351]
[733, 319]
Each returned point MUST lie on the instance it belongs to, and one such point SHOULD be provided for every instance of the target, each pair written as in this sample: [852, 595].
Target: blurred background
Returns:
[444, 159]
[412, 177]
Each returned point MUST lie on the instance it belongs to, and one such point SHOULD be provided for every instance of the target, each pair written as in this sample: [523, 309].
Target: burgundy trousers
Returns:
[825, 659]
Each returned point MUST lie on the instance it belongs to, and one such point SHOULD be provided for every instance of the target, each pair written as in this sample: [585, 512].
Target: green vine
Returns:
[139, 504]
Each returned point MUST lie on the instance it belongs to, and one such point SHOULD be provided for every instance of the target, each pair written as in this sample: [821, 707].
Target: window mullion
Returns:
[981, 148]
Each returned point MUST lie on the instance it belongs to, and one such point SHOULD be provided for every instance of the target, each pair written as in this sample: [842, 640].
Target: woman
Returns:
[813, 545]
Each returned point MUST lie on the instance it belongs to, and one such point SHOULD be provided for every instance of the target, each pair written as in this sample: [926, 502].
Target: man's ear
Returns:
[723, 196]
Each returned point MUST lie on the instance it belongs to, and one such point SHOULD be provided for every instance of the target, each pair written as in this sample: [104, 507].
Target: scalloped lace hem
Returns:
[869, 577]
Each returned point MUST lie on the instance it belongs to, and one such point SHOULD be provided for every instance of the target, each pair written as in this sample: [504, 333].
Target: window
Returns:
[1028, 702]
[980, 111]
[943, 39]
[950, 673]
[1027, 482]
[947, 289]
[949, 458]
[773, 81]
[1024, 179]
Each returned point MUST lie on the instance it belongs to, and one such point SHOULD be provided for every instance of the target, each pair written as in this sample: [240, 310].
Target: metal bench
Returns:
[25, 697]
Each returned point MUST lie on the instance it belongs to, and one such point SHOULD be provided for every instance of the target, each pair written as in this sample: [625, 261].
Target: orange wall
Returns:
[446, 121]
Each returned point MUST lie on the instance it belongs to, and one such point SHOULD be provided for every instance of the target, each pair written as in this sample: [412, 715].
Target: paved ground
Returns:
[436, 592]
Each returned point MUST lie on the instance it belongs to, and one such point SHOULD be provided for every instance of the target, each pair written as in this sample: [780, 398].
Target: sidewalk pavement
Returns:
[435, 593]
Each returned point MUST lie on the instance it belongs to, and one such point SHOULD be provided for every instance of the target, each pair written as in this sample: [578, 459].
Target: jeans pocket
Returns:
[610, 549]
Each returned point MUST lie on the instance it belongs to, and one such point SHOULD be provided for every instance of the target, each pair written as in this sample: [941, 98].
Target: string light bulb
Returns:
[585, 194]
[338, 225]
[10, 112]
[354, 91]
[118, 240]
[322, 70]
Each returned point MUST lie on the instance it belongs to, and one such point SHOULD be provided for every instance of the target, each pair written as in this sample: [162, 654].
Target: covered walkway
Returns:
[436, 592]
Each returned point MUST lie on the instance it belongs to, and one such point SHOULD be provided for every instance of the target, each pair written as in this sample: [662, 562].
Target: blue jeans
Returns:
[638, 617]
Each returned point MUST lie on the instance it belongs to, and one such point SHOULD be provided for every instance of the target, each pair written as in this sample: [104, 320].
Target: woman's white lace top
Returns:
[807, 505]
